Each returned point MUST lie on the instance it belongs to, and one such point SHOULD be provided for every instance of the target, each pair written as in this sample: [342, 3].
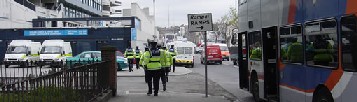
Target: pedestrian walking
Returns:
[130, 55]
[143, 64]
[173, 54]
[154, 59]
[165, 68]
[137, 57]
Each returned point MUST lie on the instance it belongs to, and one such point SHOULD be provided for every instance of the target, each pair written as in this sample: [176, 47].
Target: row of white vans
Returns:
[27, 51]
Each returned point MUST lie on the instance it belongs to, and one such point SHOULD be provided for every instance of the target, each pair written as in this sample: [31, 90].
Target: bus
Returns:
[298, 50]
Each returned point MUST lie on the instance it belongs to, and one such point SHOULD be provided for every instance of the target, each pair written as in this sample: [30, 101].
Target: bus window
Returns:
[291, 48]
[244, 48]
[348, 33]
[255, 46]
[321, 44]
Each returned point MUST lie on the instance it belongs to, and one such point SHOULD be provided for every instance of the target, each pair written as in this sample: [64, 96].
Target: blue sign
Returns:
[133, 34]
[68, 32]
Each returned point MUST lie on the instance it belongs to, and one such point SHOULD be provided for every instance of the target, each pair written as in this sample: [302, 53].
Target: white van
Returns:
[22, 51]
[185, 53]
[55, 51]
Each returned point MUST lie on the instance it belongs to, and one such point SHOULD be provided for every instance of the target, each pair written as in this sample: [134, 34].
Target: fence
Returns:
[60, 83]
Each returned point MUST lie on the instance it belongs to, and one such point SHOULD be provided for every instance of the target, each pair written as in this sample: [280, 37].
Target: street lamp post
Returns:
[154, 18]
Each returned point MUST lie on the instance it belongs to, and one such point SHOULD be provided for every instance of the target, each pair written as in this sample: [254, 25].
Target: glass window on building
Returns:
[321, 44]
[90, 2]
[291, 47]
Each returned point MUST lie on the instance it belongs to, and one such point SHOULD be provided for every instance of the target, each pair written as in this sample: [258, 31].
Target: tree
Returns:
[227, 23]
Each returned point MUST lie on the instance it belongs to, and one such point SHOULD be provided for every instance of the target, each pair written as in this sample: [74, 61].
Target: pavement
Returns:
[167, 97]
[183, 86]
[227, 76]
[140, 72]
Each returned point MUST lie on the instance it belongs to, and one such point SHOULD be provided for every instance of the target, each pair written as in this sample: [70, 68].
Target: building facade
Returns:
[145, 28]
[16, 13]
[110, 8]
[19, 13]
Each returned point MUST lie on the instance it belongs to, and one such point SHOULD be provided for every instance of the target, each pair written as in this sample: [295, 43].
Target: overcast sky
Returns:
[180, 8]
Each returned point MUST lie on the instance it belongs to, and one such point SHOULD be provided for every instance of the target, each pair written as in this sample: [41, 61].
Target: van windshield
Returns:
[224, 48]
[184, 50]
[51, 50]
[16, 50]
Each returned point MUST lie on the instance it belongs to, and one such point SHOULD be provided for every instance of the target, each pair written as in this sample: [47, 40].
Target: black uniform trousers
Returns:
[153, 78]
[146, 74]
[130, 62]
[137, 60]
[164, 75]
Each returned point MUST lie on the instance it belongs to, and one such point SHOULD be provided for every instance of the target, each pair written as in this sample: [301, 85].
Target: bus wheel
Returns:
[255, 88]
[322, 95]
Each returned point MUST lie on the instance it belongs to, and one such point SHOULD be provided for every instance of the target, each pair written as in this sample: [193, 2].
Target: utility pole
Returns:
[154, 19]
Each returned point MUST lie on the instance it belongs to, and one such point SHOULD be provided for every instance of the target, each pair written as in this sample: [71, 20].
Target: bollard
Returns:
[108, 56]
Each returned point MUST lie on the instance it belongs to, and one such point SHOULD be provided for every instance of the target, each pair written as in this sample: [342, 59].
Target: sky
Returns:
[178, 9]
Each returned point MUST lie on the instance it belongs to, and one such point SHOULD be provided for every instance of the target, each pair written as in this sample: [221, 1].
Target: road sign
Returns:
[200, 22]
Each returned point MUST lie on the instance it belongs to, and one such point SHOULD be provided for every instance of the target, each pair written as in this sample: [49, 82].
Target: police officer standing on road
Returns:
[166, 68]
[173, 54]
[130, 55]
[143, 64]
[153, 61]
[137, 57]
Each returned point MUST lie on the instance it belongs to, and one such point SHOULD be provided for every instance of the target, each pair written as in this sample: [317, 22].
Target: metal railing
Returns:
[64, 83]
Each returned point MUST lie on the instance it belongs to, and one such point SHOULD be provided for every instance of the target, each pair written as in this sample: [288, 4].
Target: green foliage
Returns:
[43, 94]
[227, 23]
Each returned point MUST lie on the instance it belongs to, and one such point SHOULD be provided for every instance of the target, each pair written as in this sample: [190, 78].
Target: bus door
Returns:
[242, 61]
[270, 46]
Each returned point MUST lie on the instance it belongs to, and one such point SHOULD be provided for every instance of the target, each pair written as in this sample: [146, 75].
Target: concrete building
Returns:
[19, 13]
[16, 13]
[69, 9]
[145, 27]
[110, 8]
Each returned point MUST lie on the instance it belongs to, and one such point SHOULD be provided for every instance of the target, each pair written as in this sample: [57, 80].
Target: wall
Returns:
[146, 30]
[15, 15]
[93, 41]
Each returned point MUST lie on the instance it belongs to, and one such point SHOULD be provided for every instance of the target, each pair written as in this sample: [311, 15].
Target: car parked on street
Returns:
[93, 56]
[121, 61]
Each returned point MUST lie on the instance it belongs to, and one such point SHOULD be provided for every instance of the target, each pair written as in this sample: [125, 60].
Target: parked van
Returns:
[213, 53]
[55, 51]
[185, 53]
[224, 51]
[22, 51]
